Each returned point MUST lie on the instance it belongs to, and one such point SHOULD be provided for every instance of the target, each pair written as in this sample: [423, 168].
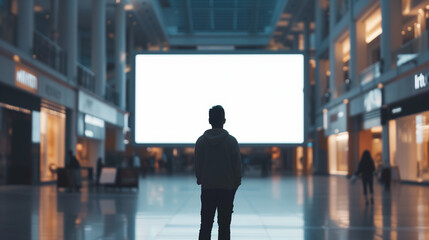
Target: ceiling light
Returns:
[38, 8]
[16, 58]
[128, 7]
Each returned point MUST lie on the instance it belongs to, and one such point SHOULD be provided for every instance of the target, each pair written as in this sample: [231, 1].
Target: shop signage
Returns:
[337, 120]
[26, 79]
[97, 108]
[396, 110]
[56, 91]
[94, 121]
[420, 81]
[373, 100]
[90, 126]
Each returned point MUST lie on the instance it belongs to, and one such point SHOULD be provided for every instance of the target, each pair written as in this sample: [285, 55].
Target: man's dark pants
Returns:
[222, 200]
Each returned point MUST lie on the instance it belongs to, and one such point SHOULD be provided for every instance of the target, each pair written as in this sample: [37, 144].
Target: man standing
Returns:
[218, 171]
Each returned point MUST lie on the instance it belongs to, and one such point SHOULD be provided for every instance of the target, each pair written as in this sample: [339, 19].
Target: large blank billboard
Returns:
[262, 95]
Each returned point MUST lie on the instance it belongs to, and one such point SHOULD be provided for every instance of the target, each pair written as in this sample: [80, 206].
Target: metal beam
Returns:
[189, 18]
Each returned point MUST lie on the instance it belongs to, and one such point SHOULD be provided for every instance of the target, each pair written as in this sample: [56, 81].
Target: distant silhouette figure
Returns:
[218, 171]
[74, 163]
[366, 168]
[100, 166]
[75, 170]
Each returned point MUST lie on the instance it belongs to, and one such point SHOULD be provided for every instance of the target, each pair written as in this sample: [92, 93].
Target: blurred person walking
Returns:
[74, 166]
[100, 166]
[366, 168]
[218, 171]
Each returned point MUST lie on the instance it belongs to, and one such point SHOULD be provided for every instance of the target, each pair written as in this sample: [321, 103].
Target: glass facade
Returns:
[409, 146]
[8, 20]
[52, 143]
[338, 153]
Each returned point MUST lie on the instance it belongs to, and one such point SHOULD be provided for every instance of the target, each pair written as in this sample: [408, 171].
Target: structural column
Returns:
[120, 53]
[386, 147]
[68, 35]
[25, 29]
[319, 22]
[391, 39]
[333, 10]
[306, 93]
[98, 44]
[353, 75]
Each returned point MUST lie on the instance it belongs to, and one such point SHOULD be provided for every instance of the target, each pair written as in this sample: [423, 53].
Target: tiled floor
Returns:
[168, 208]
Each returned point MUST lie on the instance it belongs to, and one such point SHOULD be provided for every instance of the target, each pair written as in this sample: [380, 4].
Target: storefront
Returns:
[335, 126]
[93, 119]
[19, 138]
[365, 110]
[407, 115]
[57, 100]
[32, 124]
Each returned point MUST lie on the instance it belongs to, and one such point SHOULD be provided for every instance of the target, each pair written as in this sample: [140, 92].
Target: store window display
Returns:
[409, 146]
[52, 143]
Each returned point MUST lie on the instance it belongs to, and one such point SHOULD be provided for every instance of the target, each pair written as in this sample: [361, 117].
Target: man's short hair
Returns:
[217, 115]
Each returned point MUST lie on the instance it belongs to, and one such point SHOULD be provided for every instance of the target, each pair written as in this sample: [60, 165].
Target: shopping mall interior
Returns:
[107, 109]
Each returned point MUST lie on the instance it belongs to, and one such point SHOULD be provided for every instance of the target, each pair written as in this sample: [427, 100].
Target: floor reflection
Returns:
[168, 208]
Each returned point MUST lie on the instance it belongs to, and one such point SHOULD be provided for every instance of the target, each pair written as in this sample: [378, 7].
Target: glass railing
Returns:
[48, 52]
[343, 7]
[85, 78]
[343, 88]
[112, 95]
[8, 28]
[325, 30]
[370, 73]
[410, 50]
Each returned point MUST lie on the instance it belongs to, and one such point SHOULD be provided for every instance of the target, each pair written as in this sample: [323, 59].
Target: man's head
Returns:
[217, 116]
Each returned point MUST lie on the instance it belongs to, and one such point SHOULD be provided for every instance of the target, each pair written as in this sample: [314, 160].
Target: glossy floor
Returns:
[168, 208]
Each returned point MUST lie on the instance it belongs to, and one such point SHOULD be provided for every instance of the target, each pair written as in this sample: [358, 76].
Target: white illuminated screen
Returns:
[262, 95]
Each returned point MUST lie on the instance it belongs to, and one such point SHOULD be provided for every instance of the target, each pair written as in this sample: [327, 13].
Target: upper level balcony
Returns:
[8, 23]
[343, 8]
[85, 78]
[48, 52]
[409, 51]
[370, 73]
[112, 95]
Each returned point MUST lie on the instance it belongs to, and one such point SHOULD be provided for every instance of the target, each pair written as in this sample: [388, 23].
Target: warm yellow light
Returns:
[325, 110]
[373, 35]
[128, 7]
[79, 147]
[38, 8]
[342, 136]
[346, 101]
[380, 85]
[378, 129]
[282, 23]
[346, 49]
[409, 29]
[427, 7]
[16, 58]
[328, 73]
[373, 26]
